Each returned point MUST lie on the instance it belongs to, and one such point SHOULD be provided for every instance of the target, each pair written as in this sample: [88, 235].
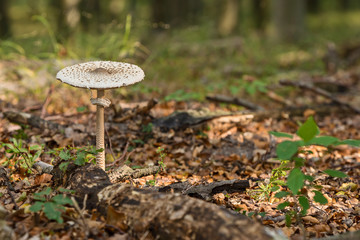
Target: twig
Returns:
[80, 212]
[234, 100]
[125, 155]
[139, 110]
[319, 91]
[34, 121]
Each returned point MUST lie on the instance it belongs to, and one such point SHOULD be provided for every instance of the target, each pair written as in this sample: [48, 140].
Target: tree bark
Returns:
[174, 216]
[147, 212]
[259, 8]
[4, 19]
[229, 17]
[289, 19]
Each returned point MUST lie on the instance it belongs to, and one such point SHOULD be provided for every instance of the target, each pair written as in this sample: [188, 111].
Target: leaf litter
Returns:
[220, 148]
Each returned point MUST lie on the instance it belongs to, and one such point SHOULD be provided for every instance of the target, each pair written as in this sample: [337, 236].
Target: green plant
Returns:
[250, 87]
[181, 95]
[51, 206]
[298, 184]
[20, 155]
[54, 44]
[147, 128]
[162, 156]
[80, 156]
[273, 184]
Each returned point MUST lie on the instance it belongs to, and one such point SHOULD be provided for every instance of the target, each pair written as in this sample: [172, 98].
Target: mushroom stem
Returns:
[100, 157]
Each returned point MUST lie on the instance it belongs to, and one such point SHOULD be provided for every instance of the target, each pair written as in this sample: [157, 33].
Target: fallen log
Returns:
[32, 120]
[183, 119]
[206, 191]
[146, 212]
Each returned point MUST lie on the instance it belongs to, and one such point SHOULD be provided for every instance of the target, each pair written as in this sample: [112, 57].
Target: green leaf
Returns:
[63, 166]
[46, 191]
[36, 207]
[35, 147]
[288, 219]
[295, 180]
[62, 199]
[308, 130]
[309, 178]
[64, 155]
[22, 197]
[81, 109]
[53, 211]
[281, 194]
[299, 162]
[80, 158]
[319, 197]
[250, 214]
[64, 190]
[350, 142]
[287, 149]
[11, 147]
[304, 202]
[283, 205]
[323, 141]
[281, 134]
[39, 198]
[275, 188]
[262, 214]
[335, 173]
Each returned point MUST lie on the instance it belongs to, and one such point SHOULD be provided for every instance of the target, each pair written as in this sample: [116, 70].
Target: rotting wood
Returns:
[190, 118]
[174, 216]
[160, 215]
[206, 191]
[125, 172]
[32, 120]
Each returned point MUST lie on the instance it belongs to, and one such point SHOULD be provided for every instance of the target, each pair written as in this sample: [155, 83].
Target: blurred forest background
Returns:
[186, 43]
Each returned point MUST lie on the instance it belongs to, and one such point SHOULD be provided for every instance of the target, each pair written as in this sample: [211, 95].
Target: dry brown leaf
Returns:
[310, 219]
[43, 178]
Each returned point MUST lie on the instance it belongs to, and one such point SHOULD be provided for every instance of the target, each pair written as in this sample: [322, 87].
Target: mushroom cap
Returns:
[101, 74]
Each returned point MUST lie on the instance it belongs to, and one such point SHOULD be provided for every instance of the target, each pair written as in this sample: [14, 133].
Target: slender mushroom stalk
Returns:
[100, 142]
[101, 75]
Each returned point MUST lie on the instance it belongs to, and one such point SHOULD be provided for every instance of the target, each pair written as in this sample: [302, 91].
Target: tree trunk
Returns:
[90, 15]
[344, 5]
[4, 19]
[313, 6]
[177, 13]
[229, 17]
[67, 16]
[259, 8]
[289, 19]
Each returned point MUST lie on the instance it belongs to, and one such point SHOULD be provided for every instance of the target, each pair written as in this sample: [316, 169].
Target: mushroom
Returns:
[101, 75]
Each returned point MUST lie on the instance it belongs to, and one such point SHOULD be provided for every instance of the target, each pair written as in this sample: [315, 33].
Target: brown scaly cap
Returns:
[101, 75]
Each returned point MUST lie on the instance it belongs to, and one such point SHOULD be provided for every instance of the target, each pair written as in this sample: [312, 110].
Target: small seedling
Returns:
[20, 155]
[162, 156]
[298, 183]
[51, 206]
[80, 156]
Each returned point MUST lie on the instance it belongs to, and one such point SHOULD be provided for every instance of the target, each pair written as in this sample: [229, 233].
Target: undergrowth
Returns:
[289, 181]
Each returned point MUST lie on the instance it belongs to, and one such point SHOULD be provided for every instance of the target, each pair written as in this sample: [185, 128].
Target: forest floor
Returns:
[219, 142]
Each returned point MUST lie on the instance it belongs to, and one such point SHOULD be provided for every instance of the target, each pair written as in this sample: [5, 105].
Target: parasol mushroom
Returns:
[101, 75]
